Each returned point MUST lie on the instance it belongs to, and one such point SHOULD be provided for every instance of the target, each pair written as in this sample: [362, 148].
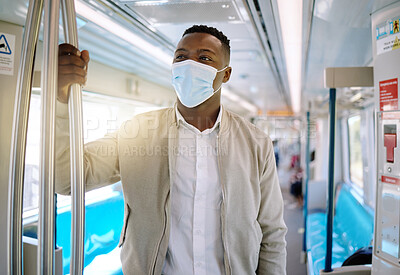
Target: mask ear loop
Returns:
[222, 69]
[221, 83]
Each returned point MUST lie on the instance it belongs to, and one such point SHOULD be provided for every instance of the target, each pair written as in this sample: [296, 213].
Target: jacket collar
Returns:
[224, 117]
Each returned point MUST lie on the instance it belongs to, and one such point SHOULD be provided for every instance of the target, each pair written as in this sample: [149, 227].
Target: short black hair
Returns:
[214, 32]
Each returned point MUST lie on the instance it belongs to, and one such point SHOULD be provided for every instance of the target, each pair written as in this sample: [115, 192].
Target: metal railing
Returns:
[307, 178]
[47, 151]
[76, 152]
[49, 85]
[18, 142]
[331, 180]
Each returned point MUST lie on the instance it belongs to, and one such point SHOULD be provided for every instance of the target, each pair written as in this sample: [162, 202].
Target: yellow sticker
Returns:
[396, 26]
[396, 44]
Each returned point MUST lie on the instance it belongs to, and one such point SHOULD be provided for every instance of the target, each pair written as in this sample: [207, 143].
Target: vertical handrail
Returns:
[47, 152]
[76, 152]
[19, 132]
[331, 179]
[307, 160]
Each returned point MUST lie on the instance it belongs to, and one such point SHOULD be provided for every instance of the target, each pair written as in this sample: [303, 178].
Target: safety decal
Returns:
[388, 95]
[7, 42]
[390, 180]
[4, 47]
[381, 31]
[394, 26]
[388, 36]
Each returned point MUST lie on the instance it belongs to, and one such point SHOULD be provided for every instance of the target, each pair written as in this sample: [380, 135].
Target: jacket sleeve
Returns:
[101, 166]
[272, 257]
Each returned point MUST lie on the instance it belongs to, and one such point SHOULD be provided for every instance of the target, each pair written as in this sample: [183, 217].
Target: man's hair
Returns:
[214, 32]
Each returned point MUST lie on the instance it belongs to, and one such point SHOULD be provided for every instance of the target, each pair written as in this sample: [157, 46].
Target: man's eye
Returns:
[205, 58]
[179, 57]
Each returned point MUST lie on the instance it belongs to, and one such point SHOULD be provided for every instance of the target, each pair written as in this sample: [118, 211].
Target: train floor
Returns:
[293, 216]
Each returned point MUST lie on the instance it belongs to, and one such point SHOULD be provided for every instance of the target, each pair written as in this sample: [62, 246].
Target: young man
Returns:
[200, 184]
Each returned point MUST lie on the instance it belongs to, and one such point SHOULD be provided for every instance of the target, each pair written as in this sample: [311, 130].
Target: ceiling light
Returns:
[356, 97]
[225, 6]
[149, 3]
[290, 15]
[231, 17]
[106, 23]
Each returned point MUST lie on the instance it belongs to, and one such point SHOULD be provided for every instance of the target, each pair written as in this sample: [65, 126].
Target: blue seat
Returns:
[352, 229]
[104, 221]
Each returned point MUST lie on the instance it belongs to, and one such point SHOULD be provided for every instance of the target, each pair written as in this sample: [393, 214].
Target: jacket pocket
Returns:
[127, 213]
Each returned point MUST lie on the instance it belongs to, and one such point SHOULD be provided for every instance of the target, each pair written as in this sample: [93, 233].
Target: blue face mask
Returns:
[193, 82]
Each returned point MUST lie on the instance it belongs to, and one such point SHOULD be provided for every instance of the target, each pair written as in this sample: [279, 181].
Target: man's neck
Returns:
[202, 117]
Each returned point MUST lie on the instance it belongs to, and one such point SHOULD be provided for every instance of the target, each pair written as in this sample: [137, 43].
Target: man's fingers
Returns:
[68, 49]
[68, 79]
[85, 56]
[71, 69]
[71, 59]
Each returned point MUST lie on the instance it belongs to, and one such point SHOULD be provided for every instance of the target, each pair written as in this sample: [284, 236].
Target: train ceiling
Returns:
[336, 33]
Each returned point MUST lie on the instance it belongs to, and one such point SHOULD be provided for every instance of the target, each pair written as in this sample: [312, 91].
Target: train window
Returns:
[101, 115]
[355, 151]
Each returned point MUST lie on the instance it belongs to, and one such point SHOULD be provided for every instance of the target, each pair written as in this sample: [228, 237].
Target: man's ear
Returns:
[227, 75]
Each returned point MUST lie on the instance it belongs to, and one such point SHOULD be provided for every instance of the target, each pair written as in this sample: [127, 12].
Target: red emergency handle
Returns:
[390, 142]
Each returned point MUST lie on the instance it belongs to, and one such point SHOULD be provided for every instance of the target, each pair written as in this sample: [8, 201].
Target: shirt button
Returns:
[198, 232]
[198, 264]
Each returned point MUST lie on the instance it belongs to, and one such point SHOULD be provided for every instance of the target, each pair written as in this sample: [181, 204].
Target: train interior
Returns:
[320, 77]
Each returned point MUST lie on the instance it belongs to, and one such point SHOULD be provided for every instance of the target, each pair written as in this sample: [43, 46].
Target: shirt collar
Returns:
[180, 119]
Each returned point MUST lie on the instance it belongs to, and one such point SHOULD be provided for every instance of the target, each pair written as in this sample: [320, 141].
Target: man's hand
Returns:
[72, 68]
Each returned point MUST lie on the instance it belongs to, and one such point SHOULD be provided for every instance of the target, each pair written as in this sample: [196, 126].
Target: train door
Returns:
[386, 53]
[10, 49]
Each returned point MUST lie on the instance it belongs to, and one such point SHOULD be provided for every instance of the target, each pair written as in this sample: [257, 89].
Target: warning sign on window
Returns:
[7, 42]
[388, 95]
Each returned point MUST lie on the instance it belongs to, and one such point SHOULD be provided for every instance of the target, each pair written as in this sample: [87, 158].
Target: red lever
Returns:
[390, 143]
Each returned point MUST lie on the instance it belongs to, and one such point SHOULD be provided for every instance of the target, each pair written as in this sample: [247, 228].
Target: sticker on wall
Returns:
[390, 180]
[7, 42]
[395, 26]
[381, 31]
[388, 36]
[388, 95]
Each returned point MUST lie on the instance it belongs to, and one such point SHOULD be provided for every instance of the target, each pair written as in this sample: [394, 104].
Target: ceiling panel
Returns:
[177, 12]
[163, 25]
[14, 11]
[251, 78]
[340, 37]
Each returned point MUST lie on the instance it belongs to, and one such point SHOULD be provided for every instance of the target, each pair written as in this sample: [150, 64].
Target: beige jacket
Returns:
[142, 155]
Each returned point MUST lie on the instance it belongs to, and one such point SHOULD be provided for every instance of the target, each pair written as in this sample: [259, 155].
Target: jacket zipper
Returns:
[227, 267]
[165, 212]
[159, 242]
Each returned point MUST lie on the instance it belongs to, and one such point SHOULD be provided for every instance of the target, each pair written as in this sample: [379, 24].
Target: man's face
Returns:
[207, 49]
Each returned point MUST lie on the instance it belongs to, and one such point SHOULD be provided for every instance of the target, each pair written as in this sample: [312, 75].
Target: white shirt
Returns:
[195, 242]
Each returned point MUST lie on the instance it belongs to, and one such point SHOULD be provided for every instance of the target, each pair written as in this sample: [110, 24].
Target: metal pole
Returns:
[18, 146]
[47, 154]
[307, 160]
[331, 178]
[76, 152]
